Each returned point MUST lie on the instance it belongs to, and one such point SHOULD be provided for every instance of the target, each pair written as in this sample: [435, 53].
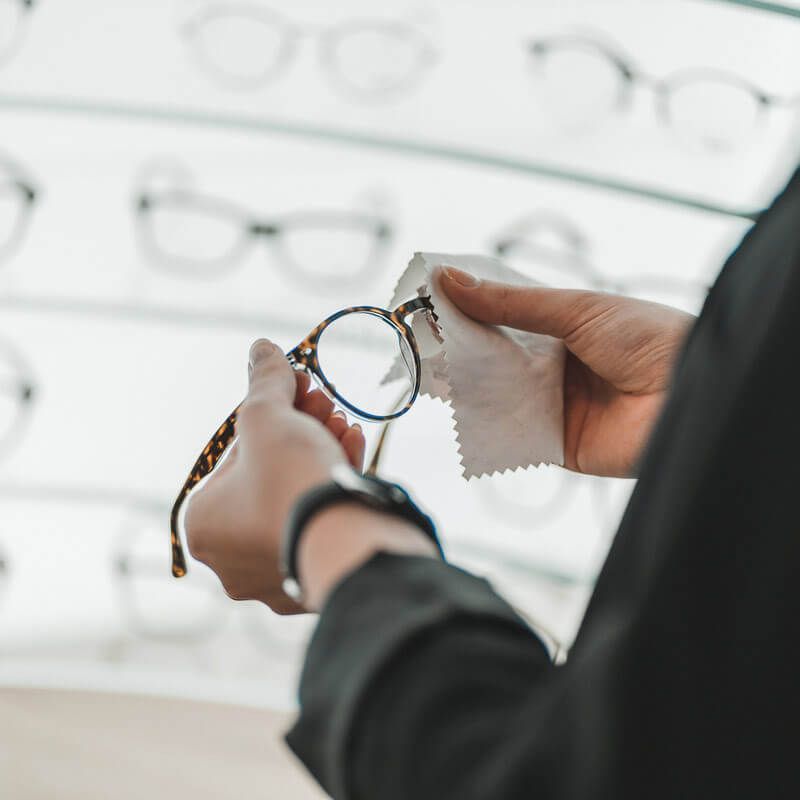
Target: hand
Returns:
[288, 441]
[620, 355]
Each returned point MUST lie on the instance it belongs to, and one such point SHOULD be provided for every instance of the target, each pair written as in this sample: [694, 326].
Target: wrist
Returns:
[341, 538]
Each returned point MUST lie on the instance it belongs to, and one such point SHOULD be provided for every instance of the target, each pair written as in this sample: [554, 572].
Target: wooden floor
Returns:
[100, 746]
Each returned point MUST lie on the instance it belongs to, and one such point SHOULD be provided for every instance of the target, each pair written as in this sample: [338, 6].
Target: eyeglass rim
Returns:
[304, 356]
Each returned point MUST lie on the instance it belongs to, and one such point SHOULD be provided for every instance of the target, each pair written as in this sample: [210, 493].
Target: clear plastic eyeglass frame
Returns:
[272, 40]
[304, 357]
[243, 229]
[569, 266]
[750, 102]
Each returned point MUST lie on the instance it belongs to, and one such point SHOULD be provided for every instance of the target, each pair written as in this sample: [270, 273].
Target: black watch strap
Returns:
[345, 487]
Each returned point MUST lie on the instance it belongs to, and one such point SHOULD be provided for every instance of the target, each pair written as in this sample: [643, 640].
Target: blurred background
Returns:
[179, 178]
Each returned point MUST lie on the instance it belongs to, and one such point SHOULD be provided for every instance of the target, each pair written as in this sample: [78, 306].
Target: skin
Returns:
[620, 356]
[289, 439]
[621, 352]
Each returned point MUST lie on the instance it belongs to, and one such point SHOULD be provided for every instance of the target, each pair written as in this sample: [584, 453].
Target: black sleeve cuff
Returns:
[367, 624]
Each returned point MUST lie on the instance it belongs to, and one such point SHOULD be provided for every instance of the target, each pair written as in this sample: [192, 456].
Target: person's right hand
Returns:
[620, 355]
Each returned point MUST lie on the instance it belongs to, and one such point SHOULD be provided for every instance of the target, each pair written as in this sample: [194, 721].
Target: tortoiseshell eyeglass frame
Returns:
[303, 357]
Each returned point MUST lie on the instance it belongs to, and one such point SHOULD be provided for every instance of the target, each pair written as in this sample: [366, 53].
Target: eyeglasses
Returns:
[16, 396]
[552, 249]
[363, 358]
[14, 16]
[200, 236]
[154, 608]
[584, 79]
[245, 45]
[17, 197]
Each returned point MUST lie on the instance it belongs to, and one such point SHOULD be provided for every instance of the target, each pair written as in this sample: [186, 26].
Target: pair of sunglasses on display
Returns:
[364, 358]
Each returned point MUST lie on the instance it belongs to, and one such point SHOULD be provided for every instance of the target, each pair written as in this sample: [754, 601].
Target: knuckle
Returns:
[235, 592]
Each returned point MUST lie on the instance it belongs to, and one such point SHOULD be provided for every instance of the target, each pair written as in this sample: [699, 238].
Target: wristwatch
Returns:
[346, 485]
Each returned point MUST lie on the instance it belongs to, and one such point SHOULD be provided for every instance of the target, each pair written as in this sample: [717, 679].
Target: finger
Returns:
[316, 404]
[354, 444]
[302, 381]
[553, 312]
[337, 424]
[272, 378]
[228, 460]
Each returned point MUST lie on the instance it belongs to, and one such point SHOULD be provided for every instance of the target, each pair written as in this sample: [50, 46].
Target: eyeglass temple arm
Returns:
[205, 463]
[372, 467]
[203, 466]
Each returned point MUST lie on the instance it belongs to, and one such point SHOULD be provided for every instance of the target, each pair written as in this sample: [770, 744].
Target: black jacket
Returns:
[684, 679]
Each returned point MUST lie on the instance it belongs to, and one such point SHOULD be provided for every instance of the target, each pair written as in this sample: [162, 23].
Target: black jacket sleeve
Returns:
[420, 682]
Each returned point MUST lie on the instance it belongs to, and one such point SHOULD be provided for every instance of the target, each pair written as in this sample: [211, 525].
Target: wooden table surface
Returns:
[104, 746]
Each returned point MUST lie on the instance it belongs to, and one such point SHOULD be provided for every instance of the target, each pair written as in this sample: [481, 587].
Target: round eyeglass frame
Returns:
[305, 357]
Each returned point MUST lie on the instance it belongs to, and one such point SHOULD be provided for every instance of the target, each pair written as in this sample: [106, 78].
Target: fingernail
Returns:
[461, 278]
[261, 349]
[338, 413]
[357, 427]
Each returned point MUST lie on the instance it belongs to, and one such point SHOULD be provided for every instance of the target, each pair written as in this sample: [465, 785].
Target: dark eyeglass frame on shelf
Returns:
[22, 389]
[304, 357]
[12, 181]
[329, 38]
[252, 228]
[630, 75]
[25, 7]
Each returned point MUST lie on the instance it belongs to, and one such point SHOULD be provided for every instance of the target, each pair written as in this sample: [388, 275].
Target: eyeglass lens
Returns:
[367, 363]
[193, 233]
[245, 45]
[578, 83]
[716, 113]
[377, 58]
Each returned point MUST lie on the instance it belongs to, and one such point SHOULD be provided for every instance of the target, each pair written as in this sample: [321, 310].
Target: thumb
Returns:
[538, 309]
[272, 378]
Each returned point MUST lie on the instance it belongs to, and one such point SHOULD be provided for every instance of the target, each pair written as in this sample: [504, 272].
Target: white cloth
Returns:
[505, 386]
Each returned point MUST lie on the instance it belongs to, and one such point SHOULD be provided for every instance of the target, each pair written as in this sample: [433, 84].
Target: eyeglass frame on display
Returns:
[579, 264]
[661, 87]
[127, 567]
[145, 201]
[304, 357]
[13, 175]
[25, 393]
[290, 33]
[26, 7]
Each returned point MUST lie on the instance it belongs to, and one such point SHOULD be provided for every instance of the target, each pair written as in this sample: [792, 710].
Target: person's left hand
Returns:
[288, 441]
